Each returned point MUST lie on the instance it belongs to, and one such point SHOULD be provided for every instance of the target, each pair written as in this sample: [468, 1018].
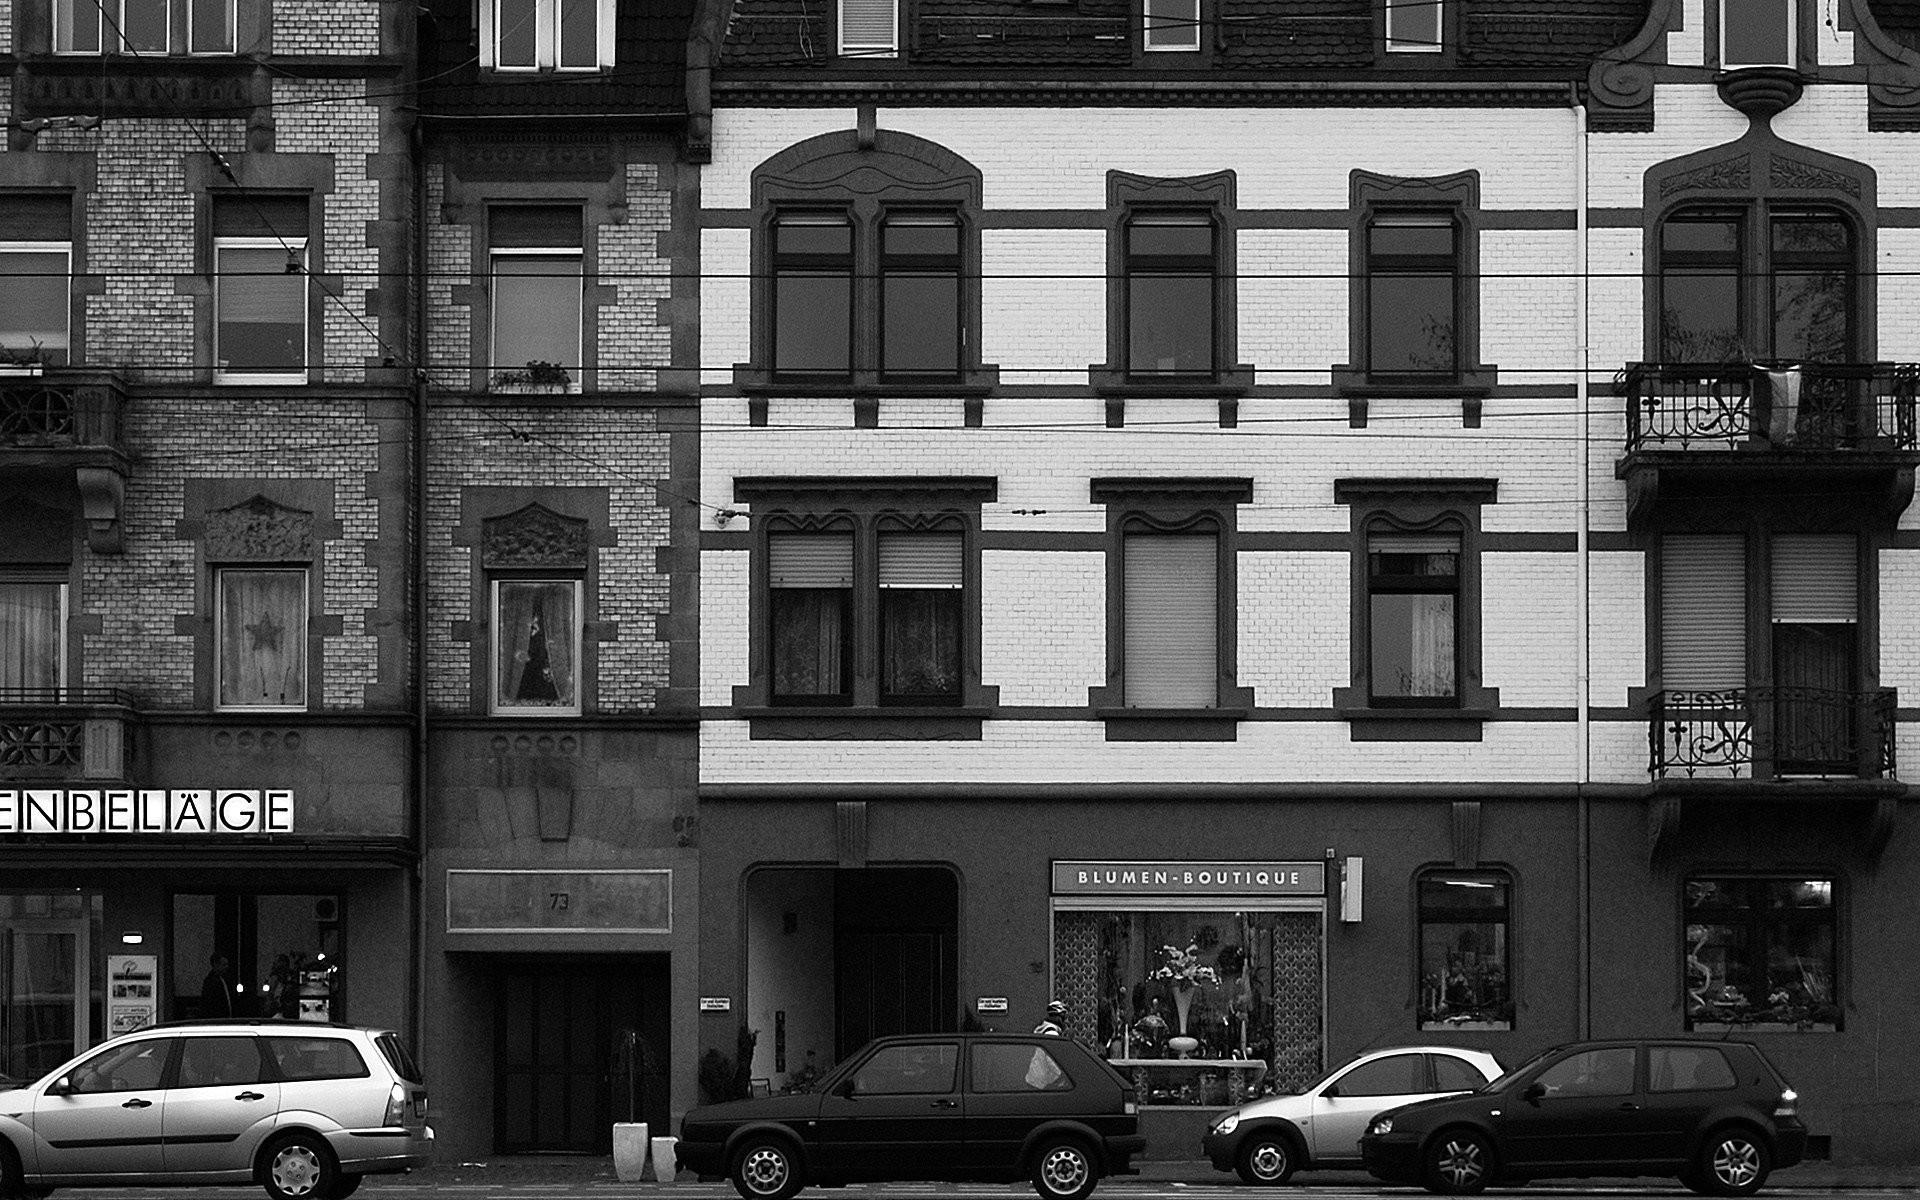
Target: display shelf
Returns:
[1180, 1082]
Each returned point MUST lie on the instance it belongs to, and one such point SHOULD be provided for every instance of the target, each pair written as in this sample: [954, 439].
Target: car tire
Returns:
[1457, 1162]
[766, 1169]
[12, 1180]
[345, 1186]
[1733, 1162]
[299, 1166]
[1266, 1159]
[1063, 1170]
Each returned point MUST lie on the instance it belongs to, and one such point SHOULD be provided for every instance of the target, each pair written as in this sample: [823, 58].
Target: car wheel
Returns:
[1266, 1160]
[1734, 1162]
[1063, 1170]
[299, 1167]
[1458, 1162]
[12, 1181]
[766, 1170]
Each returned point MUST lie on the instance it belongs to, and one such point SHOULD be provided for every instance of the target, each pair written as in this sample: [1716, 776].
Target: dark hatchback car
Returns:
[958, 1106]
[1715, 1114]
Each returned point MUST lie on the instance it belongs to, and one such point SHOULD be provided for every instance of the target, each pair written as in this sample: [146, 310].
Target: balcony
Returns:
[71, 419]
[64, 734]
[1772, 733]
[1844, 432]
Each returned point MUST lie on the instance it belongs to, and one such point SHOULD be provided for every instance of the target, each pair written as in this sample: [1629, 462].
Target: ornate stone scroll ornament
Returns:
[259, 530]
[1784, 172]
[1729, 174]
[534, 536]
[1620, 82]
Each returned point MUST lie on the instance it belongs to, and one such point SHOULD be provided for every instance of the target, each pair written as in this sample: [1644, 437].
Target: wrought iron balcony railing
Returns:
[64, 733]
[61, 409]
[1770, 732]
[1809, 406]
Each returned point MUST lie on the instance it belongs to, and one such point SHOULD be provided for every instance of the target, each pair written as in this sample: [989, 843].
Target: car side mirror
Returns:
[1330, 1092]
[845, 1089]
[62, 1086]
[1535, 1092]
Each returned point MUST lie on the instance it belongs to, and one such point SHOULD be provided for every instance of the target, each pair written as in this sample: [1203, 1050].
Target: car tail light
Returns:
[1130, 1106]
[396, 1106]
[1788, 1105]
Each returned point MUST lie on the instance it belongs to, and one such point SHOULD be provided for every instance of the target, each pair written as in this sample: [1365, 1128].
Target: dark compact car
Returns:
[956, 1106]
[1715, 1114]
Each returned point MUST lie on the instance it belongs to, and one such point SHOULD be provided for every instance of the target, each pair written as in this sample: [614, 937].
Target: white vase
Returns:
[1182, 1003]
[630, 1151]
[663, 1159]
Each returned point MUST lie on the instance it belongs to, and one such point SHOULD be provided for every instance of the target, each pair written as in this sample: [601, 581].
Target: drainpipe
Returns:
[1583, 698]
[417, 565]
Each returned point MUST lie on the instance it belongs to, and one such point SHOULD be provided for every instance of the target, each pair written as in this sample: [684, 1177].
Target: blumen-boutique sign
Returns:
[1153, 878]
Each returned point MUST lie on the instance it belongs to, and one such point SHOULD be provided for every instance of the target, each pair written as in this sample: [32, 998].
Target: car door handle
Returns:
[249, 1096]
[137, 1102]
[1629, 1106]
[945, 1103]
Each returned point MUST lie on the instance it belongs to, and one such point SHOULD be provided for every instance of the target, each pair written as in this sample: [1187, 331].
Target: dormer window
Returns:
[546, 35]
[1414, 26]
[1172, 25]
[1757, 33]
[142, 27]
[869, 28]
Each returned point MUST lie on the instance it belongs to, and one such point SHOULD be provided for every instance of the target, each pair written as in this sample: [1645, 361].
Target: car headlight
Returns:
[1228, 1123]
[1380, 1125]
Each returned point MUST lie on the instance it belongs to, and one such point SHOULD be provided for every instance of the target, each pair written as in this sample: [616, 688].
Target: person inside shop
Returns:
[1056, 1014]
[281, 994]
[216, 994]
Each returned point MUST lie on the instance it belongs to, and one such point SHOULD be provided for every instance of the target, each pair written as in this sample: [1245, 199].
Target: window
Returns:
[1760, 951]
[866, 596]
[142, 27]
[813, 296]
[1015, 1068]
[134, 1067]
[1172, 25]
[1170, 263]
[315, 1058]
[260, 620]
[920, 296]
[546, 35]
[869, 28]
[1452, 1074]
[908, 1071]
[210, 25]
[537, 298]
[32, 618]
[1395, 1075]
[1413, 593]
[536, 647]
[1803, 263]
[1590, 1073]
[1172, 623]
[1758, 33]
[36, 263]
[1464, 970]
[260, 288]
[1416, 621]
[1688, 1069]
[1813, 716]
[1414, 26]
[1413, 296]
[218, 1061]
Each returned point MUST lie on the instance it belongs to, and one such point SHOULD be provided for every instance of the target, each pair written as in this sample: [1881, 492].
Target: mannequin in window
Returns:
[536, 680]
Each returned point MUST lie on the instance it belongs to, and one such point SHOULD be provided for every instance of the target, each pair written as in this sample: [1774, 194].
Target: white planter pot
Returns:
[630, 1151]
[663, 1159]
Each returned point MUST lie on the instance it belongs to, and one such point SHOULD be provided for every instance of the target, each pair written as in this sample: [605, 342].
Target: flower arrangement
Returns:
[1183, 968]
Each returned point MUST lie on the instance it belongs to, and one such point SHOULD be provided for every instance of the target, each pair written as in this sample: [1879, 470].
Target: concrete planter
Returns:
[663, 1159]
[630, 1151]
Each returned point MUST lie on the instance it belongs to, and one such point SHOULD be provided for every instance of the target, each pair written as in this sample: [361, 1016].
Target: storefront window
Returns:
[246, 955]
[1200, 1007]
[1464, 970]
[1760, 952]
[51, 981]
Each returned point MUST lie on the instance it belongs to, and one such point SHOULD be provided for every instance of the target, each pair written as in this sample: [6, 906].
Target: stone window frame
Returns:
[525, 532]
[69, 173]
[1841, 963]
[1510, 878]
[578, 253]
[867, 506]
[250, 25]
[864, 172]
[1215, 195]
[1172, 505]
[575, 639]
[1458, 197]
[1408, 505]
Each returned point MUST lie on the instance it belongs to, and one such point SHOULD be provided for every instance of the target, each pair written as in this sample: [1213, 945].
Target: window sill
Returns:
[1415, 724]
[757, 381]
[1172, 724]
[1228, 385]
[864, 723]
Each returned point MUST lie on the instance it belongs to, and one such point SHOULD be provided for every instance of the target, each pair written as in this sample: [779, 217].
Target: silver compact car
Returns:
[304, 1110]
[1266, 1140]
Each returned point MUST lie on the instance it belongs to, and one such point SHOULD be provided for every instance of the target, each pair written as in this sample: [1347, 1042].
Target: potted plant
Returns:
[539, 376]
[23, 361]
[632, 1061]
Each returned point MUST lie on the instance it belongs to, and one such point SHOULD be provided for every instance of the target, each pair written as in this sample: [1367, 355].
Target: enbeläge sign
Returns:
[145, 810]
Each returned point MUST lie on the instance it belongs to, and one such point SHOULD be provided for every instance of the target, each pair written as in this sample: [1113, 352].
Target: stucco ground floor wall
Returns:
[813, 904]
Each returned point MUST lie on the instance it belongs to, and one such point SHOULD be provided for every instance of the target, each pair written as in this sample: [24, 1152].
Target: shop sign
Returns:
[1150, 878]
[716, 1004]
[130, 999]
[990, 1004]
[145, 810]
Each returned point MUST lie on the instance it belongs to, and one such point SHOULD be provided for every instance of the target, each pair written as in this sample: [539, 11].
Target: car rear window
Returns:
[1687, 1069]
[298, 1058]
[1014, 1067]
[1452, 1074]
[395, 1052]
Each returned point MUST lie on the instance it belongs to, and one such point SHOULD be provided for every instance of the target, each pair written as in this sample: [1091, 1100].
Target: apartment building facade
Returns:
[1299, 530]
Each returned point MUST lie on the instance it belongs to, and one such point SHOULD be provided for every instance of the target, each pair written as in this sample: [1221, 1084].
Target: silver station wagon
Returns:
[304, 1110]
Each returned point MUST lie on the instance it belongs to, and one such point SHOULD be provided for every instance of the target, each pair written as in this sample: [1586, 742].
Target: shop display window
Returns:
[1760, 954]
[282, 956]
[1464, 970]
[1200, 1007]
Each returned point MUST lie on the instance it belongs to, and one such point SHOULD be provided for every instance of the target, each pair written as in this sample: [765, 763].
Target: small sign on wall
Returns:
[990, 1004]
[131, 1003]
[716, 1004]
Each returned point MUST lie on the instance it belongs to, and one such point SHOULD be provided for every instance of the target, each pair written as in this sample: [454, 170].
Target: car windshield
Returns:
[1515, 1073]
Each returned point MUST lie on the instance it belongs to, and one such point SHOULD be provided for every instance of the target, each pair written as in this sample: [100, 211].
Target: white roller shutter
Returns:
[810, 560]
[920, 560]
[1816, 578]
[1703, 611]
[1172, 624]
[870, 26]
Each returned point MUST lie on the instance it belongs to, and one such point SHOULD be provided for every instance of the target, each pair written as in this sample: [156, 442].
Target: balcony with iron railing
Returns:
[65, 734]
[70, 419]
[1776, 732]
[1845, 430]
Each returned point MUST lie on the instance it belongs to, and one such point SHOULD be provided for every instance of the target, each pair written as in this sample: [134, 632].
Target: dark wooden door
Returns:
[891, 981]
[553, 1059]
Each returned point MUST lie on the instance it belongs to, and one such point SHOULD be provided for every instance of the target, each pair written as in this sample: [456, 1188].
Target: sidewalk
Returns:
[582, 1170]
